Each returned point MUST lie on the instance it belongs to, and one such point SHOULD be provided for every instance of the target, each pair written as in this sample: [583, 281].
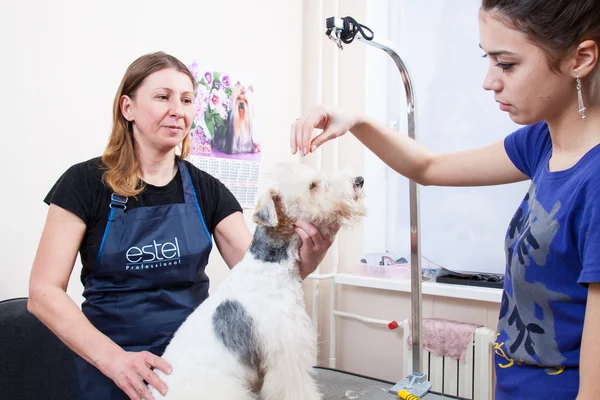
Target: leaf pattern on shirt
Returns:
[525, 313]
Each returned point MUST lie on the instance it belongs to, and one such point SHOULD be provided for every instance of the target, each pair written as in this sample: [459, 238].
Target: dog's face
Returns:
[302, 193]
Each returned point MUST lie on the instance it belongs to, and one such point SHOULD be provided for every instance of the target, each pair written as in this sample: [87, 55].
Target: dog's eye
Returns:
[313, 185]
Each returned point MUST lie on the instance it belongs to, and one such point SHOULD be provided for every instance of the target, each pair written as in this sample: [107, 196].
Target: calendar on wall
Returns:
[240, 177]
[224, 137]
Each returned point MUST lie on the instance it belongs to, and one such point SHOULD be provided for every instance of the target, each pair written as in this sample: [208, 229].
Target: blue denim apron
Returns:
[149, 277]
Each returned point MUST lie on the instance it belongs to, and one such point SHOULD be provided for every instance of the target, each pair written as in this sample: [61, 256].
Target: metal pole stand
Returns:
[345, 30]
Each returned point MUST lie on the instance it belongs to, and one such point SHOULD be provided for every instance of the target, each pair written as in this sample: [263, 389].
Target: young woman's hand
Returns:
[333, 123]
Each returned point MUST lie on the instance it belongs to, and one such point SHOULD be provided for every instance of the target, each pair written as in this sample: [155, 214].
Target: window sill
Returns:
[476, 293]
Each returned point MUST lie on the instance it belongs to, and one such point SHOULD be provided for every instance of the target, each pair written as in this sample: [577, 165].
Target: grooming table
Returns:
[340, 385]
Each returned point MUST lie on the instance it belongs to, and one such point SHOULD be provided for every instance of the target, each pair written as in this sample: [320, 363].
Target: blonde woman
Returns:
[143, 221]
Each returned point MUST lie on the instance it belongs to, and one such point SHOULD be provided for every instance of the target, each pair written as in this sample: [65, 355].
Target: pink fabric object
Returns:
[445, 338]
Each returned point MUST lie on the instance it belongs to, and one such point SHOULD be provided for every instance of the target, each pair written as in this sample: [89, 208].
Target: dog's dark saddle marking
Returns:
[266, 247]
[236, 329]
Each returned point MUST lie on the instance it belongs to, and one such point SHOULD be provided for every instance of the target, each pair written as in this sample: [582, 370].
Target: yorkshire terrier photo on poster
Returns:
[238, 137]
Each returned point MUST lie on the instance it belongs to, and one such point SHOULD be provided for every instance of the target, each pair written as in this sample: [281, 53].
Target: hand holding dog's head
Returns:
[301, 193]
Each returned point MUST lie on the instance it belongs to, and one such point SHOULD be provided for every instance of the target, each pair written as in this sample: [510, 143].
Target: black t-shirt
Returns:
[82, 191]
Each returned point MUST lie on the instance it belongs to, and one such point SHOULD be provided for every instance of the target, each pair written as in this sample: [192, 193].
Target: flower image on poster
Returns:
[224, 138]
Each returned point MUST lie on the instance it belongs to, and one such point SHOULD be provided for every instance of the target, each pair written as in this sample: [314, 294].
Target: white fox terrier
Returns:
[252, 339]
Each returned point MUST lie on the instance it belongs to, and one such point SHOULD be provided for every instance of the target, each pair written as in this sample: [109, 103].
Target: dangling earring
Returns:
[580, 98]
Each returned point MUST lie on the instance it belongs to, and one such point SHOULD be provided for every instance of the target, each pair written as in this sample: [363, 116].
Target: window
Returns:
[438, 40]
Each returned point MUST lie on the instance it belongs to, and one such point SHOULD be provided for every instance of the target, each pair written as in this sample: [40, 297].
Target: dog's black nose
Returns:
[359, 181]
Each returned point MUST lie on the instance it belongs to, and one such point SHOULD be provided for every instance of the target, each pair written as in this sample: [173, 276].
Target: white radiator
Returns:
[470, 380]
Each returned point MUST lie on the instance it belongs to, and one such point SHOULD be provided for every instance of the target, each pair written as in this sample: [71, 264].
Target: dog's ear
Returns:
[249, 88]
[266, 213]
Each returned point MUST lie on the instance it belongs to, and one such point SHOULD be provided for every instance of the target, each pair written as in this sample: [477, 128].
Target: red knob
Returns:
[393, 325]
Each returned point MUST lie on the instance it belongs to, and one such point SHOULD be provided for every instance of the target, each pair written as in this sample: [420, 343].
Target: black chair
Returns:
[34, 363]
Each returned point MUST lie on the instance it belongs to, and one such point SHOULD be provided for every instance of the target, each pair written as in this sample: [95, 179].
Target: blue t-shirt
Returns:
[552, 253]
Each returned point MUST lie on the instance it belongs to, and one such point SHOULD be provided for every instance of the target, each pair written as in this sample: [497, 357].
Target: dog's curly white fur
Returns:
[252, 339]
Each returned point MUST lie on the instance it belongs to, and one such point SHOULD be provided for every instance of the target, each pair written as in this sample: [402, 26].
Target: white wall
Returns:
[62, 63]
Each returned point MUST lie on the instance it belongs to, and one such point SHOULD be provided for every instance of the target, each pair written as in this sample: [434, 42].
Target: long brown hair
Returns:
[557, 26]
[120, 158]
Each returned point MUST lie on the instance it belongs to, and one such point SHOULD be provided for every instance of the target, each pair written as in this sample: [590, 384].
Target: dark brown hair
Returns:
[120, 158]
[557, 26]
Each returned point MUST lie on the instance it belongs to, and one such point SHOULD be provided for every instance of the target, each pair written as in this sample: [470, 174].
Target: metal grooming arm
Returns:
[416, 383]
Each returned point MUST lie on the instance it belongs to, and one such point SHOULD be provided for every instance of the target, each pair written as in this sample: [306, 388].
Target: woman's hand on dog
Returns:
[313, 249]
[129, 370]
[333, 122]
